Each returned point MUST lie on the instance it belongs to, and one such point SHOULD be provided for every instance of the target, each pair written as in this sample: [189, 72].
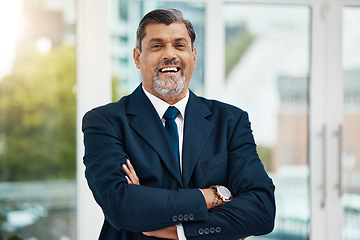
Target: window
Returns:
[350, 153]
[267, 56]
[37, 120]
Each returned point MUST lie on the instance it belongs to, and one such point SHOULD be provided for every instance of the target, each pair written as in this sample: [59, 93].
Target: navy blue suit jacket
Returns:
[218, 148]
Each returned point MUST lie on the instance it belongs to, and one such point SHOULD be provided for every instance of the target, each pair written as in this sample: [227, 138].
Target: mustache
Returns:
[169, 62]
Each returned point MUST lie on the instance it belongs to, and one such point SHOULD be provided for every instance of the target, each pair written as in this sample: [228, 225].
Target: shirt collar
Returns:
[161, 106]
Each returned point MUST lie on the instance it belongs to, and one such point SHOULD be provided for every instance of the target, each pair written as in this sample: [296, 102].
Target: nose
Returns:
[169, 52]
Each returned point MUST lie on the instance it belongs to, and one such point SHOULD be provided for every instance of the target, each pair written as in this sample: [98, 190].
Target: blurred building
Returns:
[292, 138]
[350, 156]
[46, 24]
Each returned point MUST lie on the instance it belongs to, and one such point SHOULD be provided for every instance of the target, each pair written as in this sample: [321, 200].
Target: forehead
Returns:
[161, 31]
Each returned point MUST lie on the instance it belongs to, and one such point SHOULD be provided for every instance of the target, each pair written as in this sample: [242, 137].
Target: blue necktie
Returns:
[171, 129]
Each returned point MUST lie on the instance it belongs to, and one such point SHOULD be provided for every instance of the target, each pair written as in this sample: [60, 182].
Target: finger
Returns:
[133, 172]
[128, 180]
[127, 171]
[128, 177]
[168, 233]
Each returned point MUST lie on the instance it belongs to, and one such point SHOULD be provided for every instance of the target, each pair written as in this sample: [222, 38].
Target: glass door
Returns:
[350, 154]
[267, 58]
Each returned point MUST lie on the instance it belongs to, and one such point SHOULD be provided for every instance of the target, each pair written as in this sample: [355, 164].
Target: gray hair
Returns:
[166, 16]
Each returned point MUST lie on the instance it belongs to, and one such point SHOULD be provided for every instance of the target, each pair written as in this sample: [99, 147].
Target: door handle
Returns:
[323, 138]
[338, 134]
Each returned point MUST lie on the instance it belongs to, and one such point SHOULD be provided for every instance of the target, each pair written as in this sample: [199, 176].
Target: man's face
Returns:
[166, 61]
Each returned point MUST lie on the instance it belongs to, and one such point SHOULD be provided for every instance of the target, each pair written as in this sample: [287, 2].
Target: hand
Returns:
[131, 177]
[167, 233]
[211, 198]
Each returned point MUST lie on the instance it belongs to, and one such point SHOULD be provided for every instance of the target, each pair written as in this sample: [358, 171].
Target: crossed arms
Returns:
[149, 207]
[211, 198]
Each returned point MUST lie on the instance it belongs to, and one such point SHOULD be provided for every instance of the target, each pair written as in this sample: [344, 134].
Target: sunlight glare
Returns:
[9, 25]
[43, 45]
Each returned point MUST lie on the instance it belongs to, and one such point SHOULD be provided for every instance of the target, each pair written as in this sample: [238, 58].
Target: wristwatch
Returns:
[222, 192]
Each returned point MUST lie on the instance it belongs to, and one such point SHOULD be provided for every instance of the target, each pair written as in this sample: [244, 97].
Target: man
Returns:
[195, 175]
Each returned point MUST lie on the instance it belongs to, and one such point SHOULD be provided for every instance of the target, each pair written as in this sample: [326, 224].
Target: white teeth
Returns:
[169, 69]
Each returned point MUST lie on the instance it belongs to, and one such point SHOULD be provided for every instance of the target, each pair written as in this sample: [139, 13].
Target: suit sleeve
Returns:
[133, 208]
[252, 211]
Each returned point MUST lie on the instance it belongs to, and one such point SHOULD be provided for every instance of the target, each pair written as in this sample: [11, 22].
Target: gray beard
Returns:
[159, 86]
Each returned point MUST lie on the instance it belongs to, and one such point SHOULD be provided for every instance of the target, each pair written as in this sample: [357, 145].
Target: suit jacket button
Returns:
[174, 218]
[212, 230]
[201, 231]
[218, 229]
[206, 231]
[191, 216]
[180, 217]
[186, 217]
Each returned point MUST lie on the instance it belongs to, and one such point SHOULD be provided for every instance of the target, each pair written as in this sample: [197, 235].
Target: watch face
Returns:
[224, 192]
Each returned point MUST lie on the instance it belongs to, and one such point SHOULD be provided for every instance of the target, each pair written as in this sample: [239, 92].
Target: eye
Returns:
[181, 45]
[156, 46]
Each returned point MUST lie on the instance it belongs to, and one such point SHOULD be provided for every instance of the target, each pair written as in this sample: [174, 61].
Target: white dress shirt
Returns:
[161, 107]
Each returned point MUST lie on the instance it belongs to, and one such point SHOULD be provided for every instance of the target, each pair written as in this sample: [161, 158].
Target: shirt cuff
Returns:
[202, 192]
[180, 231]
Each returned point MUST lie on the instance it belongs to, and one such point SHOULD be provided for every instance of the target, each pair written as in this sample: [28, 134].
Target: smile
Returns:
[169, 70]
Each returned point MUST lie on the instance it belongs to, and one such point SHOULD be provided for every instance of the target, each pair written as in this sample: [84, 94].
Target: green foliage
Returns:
[117, 88]
[235, 49]
[38, 117]
[15, 238]
[115, 84]
[265, 156]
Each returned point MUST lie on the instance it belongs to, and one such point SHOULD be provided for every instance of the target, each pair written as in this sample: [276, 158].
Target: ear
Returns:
[136, 56]
[194, 56]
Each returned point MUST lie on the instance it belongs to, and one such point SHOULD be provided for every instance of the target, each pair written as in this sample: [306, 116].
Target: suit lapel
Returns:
[144, 120]
[197, 130]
